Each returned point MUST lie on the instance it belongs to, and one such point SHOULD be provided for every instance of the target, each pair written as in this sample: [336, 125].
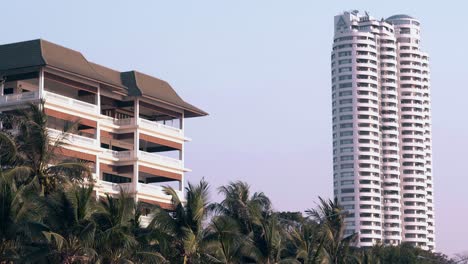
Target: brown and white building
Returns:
[131, 125]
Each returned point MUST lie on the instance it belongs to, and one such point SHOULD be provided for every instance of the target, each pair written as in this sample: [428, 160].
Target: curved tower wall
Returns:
[386, 187]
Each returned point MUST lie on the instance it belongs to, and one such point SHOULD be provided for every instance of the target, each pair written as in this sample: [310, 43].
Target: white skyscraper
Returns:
[382, 157]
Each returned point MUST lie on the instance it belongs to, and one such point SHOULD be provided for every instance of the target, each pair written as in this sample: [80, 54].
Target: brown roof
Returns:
[142, 84]
[38, 53]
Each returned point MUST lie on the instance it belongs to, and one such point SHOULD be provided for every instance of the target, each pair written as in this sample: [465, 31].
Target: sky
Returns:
[262, 70]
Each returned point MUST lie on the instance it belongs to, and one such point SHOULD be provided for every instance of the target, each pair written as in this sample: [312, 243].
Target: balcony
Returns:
[117, 155]
[11, 99]
[73, 104]
[146, 125]
[72, 139]
[113, 188]
[160, 160]
[50, 98]
[156, 190]
[147, 191]
[148, 157]
[154, 126]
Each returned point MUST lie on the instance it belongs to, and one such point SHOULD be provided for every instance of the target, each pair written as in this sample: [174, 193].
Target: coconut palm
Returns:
[72, 230]
[247, 210]
[330, 216]
[32, 154]
[228, 243]
[19, 221]
[303, 241]
[114, 240]
[184, 226]
[268, 240]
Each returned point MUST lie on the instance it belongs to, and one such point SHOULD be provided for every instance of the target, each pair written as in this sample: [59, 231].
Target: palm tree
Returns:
[32, 155]
[268, 240]
[19, 221]
[256, 222]
[334, 243]
[71, 227]
[114, 240]
[228, 243]
[184, 225]
[247, 210]
[302, 241]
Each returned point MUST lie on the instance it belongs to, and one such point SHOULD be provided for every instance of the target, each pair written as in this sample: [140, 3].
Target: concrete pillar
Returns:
[182, 156]
[98, 175]
[41, 83]
[136, 147]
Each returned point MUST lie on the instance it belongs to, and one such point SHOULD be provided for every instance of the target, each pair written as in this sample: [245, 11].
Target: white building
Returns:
[382, 129]
[131, 125]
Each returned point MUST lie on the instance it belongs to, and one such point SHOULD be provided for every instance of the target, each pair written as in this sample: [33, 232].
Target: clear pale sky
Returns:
[262, 70]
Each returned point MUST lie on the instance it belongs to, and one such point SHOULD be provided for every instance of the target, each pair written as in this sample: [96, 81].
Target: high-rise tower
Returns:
[382, 164]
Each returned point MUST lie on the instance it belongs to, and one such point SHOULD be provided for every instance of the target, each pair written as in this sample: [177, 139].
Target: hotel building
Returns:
[382, 157]
[130, 125]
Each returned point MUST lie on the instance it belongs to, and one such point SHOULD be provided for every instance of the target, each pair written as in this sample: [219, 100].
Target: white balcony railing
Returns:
[163, 160]
[70, 138]
[160, 127]
[70, 103]
[118, 122]
[121, 155]
[156, 190]
[106, 186]
[18, 98]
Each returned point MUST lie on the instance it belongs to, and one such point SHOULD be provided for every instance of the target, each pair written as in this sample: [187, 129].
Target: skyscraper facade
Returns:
[382, 157]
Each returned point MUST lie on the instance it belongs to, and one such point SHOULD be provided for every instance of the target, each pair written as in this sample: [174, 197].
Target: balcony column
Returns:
[41, 83]
[136, 148]
[181, 156]
[98, 140]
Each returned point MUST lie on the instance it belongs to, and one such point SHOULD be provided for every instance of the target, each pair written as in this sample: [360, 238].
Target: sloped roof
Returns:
[38, 53]
[142, 84]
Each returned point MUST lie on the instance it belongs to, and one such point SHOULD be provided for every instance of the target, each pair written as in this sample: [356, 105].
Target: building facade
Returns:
[130, 125]
[382, 158]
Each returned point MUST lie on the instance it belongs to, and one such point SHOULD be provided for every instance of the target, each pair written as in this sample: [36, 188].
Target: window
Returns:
[346, 141]
[347, 190]
[345, 69]
[347, 199]
[345, 77]
[344, 53]
[346, 133]
[346, 93]
[346, 109]
[348, 157]
[347, 174]
[346, 149]
[345, 85]
[346, 117]
[345, 61]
